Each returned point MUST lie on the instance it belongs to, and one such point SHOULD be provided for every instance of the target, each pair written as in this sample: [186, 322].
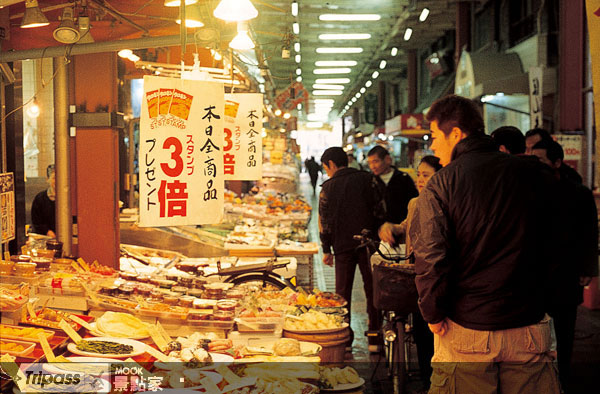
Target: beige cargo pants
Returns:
[510, 361]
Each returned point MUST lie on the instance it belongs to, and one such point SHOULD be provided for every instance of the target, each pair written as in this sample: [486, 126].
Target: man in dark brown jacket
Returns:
[350, 201]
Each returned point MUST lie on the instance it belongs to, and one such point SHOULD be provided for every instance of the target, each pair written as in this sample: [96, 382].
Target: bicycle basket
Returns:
[394, 288]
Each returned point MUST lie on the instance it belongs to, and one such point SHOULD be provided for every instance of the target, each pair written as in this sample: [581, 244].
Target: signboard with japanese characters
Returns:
[242, 146]
[535, 97]
[572, 145]
[7, 206]
[290, 98]
[181, 152]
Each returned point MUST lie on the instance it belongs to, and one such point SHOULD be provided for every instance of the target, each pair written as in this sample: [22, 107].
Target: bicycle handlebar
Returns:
[367, 240]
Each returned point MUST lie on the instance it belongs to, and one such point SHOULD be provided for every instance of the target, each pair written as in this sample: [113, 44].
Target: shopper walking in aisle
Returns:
[509, 140]
[481, 273]
[579, 262]
[389, 232]
[313, 168]
[350, 201]
[353, 163]
[400, 188]
[43, 216]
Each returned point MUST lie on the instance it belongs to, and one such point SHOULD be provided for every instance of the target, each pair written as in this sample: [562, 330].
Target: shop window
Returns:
[522, 19]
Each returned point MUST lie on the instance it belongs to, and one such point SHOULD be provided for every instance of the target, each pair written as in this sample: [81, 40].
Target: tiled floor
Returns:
[586, 354]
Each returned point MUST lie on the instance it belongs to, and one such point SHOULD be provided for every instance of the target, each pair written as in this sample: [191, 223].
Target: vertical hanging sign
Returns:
[242, 146]
[7, 206]
[535, 97]
[181, 152]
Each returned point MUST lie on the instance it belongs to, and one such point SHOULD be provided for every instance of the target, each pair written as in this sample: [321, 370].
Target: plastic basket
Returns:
[394, 288]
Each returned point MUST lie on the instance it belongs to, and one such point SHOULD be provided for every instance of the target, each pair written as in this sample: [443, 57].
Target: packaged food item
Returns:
[42, 263]
[186, 301]
[287, 347]
[6, 267]
[24, 269]
[164, 100]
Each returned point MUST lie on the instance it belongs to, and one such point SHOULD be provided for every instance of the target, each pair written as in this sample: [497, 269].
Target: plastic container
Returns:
[42, 263]
[6, 267]
[25, 269]
[27, 347]
[259, 324]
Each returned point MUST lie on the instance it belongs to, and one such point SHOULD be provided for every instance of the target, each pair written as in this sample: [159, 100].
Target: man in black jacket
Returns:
[482, 273]
[579, 258]
[400, 188]
[350, 201]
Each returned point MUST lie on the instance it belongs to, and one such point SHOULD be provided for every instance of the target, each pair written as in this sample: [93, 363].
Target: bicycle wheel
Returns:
[266, 282]
[399, 376]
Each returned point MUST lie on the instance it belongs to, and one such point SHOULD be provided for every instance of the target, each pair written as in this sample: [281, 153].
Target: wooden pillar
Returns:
[97, 160]
[463, 29]
[571, 65]
[411, 80]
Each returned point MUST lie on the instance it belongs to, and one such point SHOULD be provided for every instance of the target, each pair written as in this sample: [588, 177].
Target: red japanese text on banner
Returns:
[242, 145]
[181, 152]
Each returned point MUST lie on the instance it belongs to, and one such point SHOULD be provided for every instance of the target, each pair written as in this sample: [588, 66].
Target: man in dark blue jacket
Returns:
[350, 201]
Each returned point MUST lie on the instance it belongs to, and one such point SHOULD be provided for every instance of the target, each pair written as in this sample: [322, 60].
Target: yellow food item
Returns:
[11, 347]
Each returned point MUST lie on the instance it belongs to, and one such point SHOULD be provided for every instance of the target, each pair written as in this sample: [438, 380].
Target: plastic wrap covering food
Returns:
[13, 297]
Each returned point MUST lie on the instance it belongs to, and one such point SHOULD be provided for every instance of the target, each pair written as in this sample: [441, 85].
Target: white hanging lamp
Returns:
[242, 40]
[235, 10]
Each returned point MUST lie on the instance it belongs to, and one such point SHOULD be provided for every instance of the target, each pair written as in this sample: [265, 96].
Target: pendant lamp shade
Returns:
[242, 40]
[85, 36]
[192, 17]
[176, 3]
[33, 16]
[235, 10]
[66, 32]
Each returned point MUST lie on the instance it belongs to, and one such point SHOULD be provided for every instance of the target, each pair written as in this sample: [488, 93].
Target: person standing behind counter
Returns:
[43, 208]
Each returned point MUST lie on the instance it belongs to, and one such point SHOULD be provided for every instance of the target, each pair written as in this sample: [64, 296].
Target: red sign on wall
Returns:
[290, 98]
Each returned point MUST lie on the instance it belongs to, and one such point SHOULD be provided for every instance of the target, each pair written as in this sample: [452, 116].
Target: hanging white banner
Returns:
[181, 152]
[536, 114]
[242, 146]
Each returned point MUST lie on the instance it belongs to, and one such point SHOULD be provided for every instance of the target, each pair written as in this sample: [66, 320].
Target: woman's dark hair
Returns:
[336, 155]
[432, 161]
[456, 111]
[50, 170]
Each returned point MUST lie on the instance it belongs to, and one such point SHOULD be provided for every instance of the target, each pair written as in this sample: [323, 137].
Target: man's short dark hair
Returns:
[336, 155]
[544, 134]
[511, 138]
[456, 111]
[50, 170]
[553, 149]
[380, 151]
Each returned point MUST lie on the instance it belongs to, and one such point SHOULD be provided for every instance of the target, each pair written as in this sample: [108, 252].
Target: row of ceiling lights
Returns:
[382, 64]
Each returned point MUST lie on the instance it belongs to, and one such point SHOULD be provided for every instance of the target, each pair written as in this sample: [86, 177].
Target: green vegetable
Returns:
[103, 347]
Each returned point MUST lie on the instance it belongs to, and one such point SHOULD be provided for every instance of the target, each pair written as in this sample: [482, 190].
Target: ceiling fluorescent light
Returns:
[298, 78]
[369, 83]
[66, 31]
[235, 10]
[33, 16]
[341, 70]
[323, 101]
[314, 125]
[297, 47]
[294, 8]
[296, 28]
[335, 63]
[298, 71]
[353, 99]
[349, 17]
[297, 58]
[394, 51]
[326, 86]
[362, 90]
[176, 3]
[192, 17]
[424, 15]
[382, 64]
[407, 34]
[333, 80]
[327, 92]
[339, 50]
[358, 94]
[347, 36]
[375, 74]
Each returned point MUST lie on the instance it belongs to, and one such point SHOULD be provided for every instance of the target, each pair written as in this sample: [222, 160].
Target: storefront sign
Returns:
[242, 146]
[573, 148]
[181, 152]
[393, 125]
[535, 97]
[290, 98]
[7, 206]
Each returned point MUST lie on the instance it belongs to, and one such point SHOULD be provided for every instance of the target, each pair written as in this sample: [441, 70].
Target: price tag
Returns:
[209, 385]
[81, 322]
[77, 267]
[7, 255]
[31, 311]
[162, 332]
[12, 369]
[66, 327]
[90, 293]
[157, 338]
[46, 347]
[83, 264]
[156, 354]
[227, 374]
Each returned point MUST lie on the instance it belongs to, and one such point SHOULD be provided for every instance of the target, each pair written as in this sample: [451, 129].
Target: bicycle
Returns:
[396, 295]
